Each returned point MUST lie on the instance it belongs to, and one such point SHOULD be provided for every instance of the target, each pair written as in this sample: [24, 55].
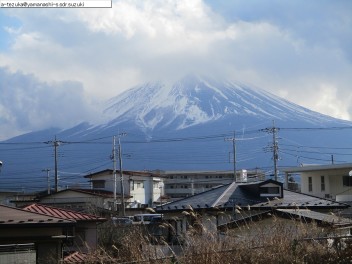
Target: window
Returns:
[98, 184]
[322, 183]
[270, 190]
[310, 184]
[140, 185]
[347, 181]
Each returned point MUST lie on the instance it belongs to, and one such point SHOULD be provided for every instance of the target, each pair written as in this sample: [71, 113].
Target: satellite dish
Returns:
[350, 173]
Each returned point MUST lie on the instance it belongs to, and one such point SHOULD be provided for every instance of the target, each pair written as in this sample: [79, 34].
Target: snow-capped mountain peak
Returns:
[195, 100]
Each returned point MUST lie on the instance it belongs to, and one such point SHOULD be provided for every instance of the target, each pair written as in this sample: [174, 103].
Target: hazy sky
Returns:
[57, 66]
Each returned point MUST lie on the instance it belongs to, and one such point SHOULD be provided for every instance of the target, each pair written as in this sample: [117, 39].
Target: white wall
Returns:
[333, 183]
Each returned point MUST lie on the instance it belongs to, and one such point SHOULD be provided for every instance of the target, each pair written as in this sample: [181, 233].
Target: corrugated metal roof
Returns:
[11, 215]
[62, 213]
[327, 218]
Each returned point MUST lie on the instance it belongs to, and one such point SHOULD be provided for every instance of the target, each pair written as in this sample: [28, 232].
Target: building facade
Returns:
[327, 181]
[142, 188]
[180, 184]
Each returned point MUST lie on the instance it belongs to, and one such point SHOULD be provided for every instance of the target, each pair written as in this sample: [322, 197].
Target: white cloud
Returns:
[288, 50]
[327, 101]
[27, 104]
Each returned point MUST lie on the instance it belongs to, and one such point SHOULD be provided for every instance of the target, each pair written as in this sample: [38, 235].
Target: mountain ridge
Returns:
[178, 126]
[194, 101]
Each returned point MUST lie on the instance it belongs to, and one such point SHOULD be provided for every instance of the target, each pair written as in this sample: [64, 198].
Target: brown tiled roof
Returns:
[75, 257]
[62, 213]
[15, 216]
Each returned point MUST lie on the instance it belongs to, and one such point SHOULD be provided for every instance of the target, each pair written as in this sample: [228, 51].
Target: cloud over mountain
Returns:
[27, 104]
[299, 51]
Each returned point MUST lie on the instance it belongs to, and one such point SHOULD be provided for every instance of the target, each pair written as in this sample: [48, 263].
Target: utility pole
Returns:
[121, 177]
[233, 139]
[55, 143]
[114, 169]
[275, 151]
[48, 179]
[275, 147]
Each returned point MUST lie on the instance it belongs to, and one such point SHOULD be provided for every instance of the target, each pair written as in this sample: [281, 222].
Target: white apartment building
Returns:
[180, 184]
[142, 188]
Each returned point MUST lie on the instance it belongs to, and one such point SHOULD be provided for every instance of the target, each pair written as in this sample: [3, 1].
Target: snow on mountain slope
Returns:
[196, 100]
[179, 126]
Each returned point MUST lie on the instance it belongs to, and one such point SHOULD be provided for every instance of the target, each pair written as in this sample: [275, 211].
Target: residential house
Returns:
[142, 188]
[85, 235]
[332, 181]
[28, 237]
[98, 202]
[6, 196]
[232, 202]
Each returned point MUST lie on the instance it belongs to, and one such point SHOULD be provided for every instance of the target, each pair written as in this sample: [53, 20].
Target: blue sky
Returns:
[54, 59]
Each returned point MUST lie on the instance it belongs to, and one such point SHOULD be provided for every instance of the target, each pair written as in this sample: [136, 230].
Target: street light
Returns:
[0, 165]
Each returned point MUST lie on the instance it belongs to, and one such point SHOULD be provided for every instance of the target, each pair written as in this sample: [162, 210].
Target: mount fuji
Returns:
[183, 125]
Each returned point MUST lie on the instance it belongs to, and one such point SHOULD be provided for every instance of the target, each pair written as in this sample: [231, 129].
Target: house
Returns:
[332, 181]
[85, 235]
[142, 188]
[28, 237]
[180, 184]
[6, 196]
[83, 200]
[233, 202]
[99, 202]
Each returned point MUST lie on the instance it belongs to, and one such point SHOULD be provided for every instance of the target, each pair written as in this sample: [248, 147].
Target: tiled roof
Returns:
[102, 193]
[242, 194]
[11, 215]
[75, 257]
[206, 199]
[299, 200]
[62, 213]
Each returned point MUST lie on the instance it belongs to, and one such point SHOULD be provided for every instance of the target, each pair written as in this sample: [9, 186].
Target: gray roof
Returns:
[326, 218]
[246, 194]
[308, 168]
[299, 200]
